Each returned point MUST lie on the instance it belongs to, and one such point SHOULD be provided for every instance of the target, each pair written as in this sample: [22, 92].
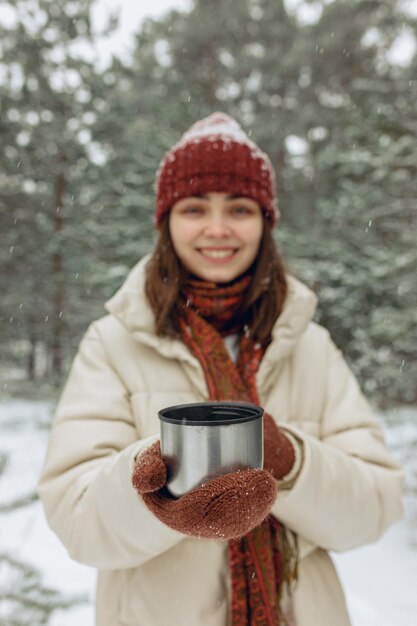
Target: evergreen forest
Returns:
[327, 88]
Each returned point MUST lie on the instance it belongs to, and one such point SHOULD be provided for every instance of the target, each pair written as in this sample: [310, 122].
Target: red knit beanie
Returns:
[215, 155]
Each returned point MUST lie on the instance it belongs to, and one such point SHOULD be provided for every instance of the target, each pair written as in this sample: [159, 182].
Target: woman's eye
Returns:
[192, 210]
[241, 210]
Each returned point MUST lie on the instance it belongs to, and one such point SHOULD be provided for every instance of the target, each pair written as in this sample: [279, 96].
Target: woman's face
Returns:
[216, 235]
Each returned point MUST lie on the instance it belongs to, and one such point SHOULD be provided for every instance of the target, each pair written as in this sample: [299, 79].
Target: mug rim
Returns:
[210, 413]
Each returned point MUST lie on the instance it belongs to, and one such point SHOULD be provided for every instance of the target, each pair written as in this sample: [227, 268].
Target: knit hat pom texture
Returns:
[215, 155]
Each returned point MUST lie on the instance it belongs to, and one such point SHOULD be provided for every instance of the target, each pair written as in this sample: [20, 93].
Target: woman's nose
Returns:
[217, 227]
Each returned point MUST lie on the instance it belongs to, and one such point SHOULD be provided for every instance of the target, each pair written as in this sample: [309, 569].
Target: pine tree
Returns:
[358, 251]
[324, 85]
[47, 107]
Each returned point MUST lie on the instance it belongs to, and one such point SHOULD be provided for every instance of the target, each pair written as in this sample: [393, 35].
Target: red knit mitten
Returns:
[226, 507]
[279, 454]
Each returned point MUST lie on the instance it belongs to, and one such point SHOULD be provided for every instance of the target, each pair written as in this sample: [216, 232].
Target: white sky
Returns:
[131, 14]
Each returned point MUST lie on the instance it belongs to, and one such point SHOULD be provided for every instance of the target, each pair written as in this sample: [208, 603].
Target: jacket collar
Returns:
[130, 306]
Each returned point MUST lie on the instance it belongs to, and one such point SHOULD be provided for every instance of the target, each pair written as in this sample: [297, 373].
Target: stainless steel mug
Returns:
[202, 440]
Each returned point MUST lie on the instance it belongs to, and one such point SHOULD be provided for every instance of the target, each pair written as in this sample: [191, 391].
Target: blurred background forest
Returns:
[327, 88]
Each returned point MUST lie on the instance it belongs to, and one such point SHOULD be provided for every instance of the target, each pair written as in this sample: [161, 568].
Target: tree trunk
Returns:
[31, 360]
[57, 272]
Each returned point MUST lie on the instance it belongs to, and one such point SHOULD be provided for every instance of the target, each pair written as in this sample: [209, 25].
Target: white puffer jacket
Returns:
[347, 493]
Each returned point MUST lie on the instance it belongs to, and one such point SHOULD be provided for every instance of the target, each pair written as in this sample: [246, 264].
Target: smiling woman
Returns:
[213, 315]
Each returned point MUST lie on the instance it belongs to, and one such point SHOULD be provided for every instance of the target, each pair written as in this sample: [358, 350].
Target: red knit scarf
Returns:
[219, 306]
[263, 561]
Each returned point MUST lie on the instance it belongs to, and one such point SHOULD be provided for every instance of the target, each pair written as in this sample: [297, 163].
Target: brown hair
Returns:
[166, 276]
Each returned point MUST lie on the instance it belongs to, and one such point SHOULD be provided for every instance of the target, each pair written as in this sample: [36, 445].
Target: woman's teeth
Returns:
[217, 254]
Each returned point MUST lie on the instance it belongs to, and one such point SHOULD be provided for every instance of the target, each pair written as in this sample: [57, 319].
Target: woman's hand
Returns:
[226, 507]
[279, 453]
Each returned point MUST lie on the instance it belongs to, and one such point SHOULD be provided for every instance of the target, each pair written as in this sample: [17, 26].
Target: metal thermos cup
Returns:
[202, 440]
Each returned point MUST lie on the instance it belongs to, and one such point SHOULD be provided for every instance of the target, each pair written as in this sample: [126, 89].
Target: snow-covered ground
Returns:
[379, 579]
[24, 534]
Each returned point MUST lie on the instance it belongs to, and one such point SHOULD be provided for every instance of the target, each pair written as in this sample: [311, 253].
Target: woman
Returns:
[213, 315]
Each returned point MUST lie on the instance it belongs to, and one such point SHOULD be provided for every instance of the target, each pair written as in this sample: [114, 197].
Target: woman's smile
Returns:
[217, 254]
